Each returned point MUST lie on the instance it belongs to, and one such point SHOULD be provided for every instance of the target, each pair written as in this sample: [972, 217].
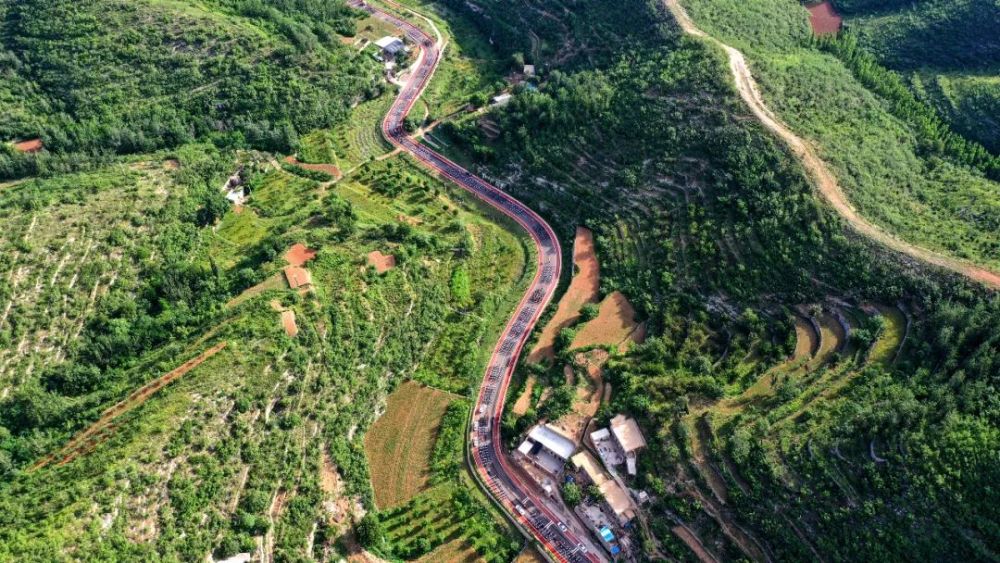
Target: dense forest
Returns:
[104, 77]
[947, 50]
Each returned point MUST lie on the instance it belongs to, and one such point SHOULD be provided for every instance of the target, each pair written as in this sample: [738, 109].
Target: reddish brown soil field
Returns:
[328, 168]
[30, 145]
[381, 262]
[823, 18]
[288, 322]
[615, 325]
[299, 254]
[86, 441]
[584, 288]
[523, 402]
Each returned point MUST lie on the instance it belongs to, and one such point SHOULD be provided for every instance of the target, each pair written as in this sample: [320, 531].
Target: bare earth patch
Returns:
[523, 402]
[381, 262]
[823, 18]
[615, 325]
[584, 288]
[328, 168]
[29, 145]
[299, 254]
[288, 323]
[400, 443]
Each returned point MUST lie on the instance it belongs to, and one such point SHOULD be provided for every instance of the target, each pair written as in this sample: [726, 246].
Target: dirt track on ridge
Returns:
[823, 179]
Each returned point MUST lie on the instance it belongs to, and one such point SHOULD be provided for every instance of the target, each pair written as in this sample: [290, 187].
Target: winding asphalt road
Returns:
[521, 499]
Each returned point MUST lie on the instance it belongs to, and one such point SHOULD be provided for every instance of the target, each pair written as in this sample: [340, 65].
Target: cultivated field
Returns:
[400, 442]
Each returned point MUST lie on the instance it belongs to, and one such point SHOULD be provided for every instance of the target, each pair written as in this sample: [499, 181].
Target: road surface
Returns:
[826, 183]
[521, 499]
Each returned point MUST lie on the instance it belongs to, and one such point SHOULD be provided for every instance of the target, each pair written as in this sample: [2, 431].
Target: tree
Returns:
[589, 312]
[370, 531]
[572, 494]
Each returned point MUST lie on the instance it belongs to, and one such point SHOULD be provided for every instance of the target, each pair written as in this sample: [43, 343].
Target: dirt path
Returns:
[93, 434]
[821, 175]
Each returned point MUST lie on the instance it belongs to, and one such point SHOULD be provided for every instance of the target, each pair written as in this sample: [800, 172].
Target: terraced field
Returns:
[362, 139]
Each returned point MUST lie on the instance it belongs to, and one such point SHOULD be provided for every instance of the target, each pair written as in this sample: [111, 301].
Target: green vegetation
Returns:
[452, 511]
[135, 263]
[804, 394]
[900, 168]
[710, 228]
[946, 50]
[159, 74]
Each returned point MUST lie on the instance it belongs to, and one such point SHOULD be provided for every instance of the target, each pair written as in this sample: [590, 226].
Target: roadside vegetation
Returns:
[798, 383]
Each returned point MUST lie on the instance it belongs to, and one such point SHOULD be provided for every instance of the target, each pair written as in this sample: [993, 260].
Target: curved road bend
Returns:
[522, 500]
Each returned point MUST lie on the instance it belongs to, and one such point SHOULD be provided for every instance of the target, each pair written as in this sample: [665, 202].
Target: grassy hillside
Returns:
[903, 170]
[947, 50]
[104, 76]
[798, 383]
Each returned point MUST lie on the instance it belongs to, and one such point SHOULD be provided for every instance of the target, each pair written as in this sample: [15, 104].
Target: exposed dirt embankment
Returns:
[818, 171]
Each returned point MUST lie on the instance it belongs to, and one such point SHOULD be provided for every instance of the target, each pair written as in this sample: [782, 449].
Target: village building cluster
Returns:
[550, 457]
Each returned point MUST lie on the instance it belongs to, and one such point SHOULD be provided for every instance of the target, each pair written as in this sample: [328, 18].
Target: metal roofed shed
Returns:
[627, 434]
[552, 441]
[501, 100]
[586, 463]
[525, 447]
[390, 45]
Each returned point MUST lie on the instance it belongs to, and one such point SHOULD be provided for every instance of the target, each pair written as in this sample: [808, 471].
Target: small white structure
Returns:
[529, 70]
[501, 100]
[236, 196]
[390, 45]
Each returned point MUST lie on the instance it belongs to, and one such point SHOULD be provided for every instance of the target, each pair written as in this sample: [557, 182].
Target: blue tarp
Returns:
[606, 534]
[615, 550]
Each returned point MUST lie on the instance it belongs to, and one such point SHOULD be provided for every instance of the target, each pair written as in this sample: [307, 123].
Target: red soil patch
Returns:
[614, 325]
[29, 145]
[298, 277]
[328, 168]
[381, 262]
[288, 322]
[98, 431]
[584, 288]
[824, 19]
[299, 254]
[523, 402]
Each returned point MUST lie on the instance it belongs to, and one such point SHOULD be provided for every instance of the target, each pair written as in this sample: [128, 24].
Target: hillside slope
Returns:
[796, 382]
[948, 50]
[104, 76]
